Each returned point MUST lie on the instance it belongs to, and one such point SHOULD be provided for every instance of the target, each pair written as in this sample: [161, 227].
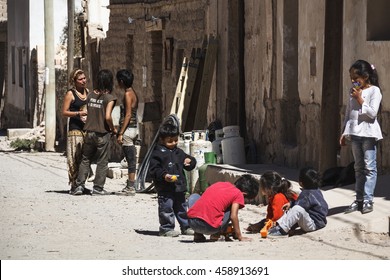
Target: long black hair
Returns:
[364, 69]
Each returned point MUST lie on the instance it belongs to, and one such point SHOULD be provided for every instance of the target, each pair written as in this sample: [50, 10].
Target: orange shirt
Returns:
[275, 204]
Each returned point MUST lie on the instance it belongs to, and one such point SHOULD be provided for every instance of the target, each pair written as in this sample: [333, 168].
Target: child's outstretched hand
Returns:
[187, 162]
[171, 178]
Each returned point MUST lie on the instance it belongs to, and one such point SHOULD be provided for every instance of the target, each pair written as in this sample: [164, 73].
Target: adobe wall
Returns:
[356, 46]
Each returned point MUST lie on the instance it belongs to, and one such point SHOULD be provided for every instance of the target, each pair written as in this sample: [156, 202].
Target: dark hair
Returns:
[364, 69]
[309, 178]
[126, 77]
[275, 183]
[168, 129]
[248, 184]
[105, 80]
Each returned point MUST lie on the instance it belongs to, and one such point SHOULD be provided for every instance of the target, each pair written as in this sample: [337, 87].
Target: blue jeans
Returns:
[364, 153]
[200, 226]
[171, 205]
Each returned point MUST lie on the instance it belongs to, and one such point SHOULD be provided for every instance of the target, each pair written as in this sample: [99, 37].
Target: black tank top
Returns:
[74, 122]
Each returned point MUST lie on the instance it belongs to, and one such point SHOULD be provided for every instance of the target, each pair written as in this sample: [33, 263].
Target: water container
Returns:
[184, 144]
[216, 145]
[233, 150]
[210, 158]
[198, 148]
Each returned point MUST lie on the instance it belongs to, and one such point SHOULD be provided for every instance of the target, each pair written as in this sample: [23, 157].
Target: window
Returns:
[378, 20]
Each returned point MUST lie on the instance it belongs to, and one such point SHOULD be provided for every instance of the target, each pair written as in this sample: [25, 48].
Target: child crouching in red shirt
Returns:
[210, 213]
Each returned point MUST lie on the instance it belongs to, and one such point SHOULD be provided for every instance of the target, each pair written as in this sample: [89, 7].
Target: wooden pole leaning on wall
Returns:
[200, 121]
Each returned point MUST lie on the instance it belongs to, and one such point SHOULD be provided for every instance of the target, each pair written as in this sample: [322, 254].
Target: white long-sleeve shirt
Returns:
[361, 120]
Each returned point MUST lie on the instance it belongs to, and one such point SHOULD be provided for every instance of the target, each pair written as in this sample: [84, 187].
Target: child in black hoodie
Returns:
[166, 167]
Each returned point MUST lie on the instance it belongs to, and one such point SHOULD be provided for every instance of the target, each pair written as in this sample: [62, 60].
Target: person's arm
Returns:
[108, 117]
[236, 224]
[371, 107]
[68, 99]
[129, 99]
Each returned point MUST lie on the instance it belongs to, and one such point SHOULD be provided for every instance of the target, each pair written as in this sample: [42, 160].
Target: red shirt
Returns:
[275, 204]
[213, 203]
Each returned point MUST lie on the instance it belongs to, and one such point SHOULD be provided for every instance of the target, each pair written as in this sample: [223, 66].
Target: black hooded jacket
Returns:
[165, 161]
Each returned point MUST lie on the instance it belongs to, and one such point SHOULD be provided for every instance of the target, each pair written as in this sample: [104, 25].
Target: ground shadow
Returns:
[86, 191]
[206, 241]
[336, 210]
[147, 232]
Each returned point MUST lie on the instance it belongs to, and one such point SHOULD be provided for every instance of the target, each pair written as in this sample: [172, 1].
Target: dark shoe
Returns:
[368, 206]
[77, 191]
[198, 237]
[277, 231]
[99, 191]
[355, 206]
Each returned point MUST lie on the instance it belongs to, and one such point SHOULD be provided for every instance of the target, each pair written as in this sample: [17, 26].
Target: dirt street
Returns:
[40, 220]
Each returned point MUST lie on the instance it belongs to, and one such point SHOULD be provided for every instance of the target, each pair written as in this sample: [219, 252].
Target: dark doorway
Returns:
[331, 87]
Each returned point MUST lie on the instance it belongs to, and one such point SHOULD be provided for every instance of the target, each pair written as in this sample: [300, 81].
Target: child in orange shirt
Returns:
[278, 191]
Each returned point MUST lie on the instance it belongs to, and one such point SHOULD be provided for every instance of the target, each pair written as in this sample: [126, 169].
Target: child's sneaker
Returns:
[170, 233]
[188, 231]
[367, 207]
[355, 206]
[276, 232]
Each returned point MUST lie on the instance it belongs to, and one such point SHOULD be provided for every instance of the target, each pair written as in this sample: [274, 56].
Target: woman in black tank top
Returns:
[74, 107]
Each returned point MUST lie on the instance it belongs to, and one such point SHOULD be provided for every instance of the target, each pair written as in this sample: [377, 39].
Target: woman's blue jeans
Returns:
[364, 153]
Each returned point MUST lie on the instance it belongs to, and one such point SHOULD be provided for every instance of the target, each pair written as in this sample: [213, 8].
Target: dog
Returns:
[339, 176]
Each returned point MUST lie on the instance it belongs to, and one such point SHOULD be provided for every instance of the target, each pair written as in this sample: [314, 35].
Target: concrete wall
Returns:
[281, 72]
[356, 46]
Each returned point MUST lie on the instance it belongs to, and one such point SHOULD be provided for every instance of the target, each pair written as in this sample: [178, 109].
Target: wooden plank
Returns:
[185, 100]
[190, 120]
[205, 86]
[179, 87]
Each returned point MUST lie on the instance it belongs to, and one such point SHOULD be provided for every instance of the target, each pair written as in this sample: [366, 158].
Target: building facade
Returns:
[281, 72]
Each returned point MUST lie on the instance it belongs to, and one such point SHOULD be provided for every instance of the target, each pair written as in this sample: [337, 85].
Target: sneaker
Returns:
[355, 206]
[368, 206]
[99, 191]
[188, 231]
[77, 190]
[277, 231]
[170, 233]
[127, 191]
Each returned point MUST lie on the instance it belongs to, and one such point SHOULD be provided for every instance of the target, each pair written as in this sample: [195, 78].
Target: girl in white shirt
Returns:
[361, 127]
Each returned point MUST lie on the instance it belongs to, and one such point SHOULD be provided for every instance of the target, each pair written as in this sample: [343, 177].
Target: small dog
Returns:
[339, 176]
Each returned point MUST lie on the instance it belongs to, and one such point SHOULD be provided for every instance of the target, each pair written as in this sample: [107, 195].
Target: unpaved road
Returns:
[40, 220]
